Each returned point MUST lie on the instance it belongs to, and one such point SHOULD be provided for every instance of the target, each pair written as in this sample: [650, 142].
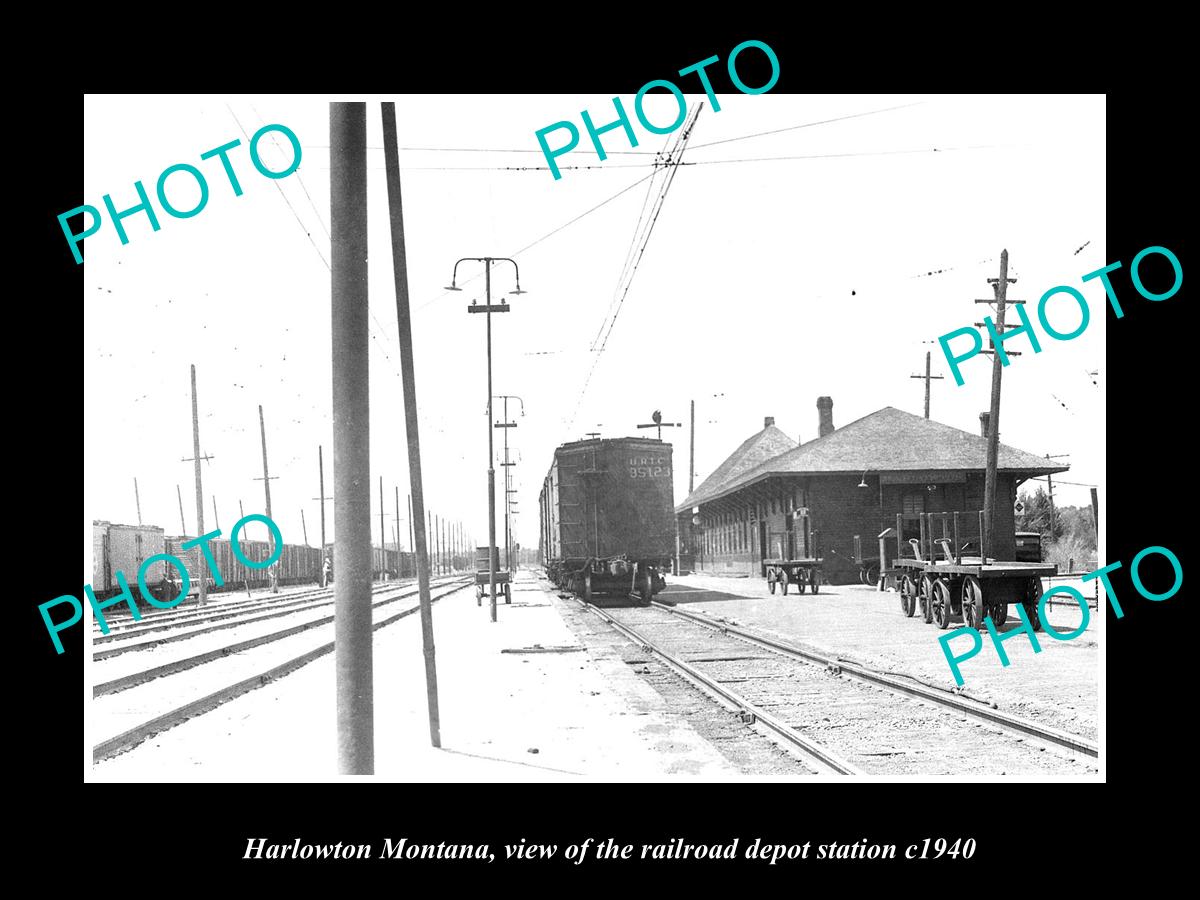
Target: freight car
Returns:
[297, 564]
[123, 548]
[607, 522]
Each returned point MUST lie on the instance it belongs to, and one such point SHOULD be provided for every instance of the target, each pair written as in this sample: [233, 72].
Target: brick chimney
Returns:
[824, 416]
[984, 418]
[768, 421]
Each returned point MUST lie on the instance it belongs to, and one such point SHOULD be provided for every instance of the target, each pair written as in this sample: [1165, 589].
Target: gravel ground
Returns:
[1057, 687]
[745, 747]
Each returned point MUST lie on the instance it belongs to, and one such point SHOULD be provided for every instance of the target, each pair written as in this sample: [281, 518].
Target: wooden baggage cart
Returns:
[801, 569]
[483, 576]
[943, 580]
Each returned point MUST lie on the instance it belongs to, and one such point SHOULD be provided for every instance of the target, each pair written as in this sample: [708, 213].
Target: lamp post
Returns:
[487, 308]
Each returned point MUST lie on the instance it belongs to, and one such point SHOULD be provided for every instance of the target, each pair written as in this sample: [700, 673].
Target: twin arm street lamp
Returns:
[488, 308]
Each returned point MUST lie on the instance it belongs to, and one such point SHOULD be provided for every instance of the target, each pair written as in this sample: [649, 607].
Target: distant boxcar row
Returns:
[123, 548]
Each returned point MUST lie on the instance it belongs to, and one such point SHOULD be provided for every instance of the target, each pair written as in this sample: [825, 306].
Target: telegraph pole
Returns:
[382, 537]
[391, 153]
[1000, 287]
[200, 576]
[304, 526]
[266, 479]
[272, 573]
[182, 523]
[692, 455]
[1050, 489]
[351, 438]
[507, 464]
[137, 498]
[928, 378]
[399, 556]
[216, 518]
[242, 514]
[322, 498]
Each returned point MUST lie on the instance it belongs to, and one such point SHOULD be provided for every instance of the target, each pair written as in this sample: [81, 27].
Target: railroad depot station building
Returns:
[773, 498]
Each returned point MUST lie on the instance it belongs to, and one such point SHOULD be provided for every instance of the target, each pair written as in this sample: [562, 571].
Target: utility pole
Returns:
[351, 438]
[692, 455]
[382, 537]
[399, 555]
[216, 518]
[322, 498]
[928, 378]
[304, 526]
[508, 464]
[137, 498]
[182, 523]
[272, 572]
[1050, 490]
[391, 152]
[1000, 288]
[200, 575]
[1096, 516]
[242, 514]
[267, 478]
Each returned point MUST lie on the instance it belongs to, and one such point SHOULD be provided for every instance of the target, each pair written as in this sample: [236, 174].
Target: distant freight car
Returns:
[123, 548]
[607, 521]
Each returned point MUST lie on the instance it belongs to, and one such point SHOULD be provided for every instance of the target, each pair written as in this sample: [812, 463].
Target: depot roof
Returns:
[888, 440]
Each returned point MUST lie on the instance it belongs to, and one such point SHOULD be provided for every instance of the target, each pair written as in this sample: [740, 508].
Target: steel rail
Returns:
[182, 665]
[995, 717]
[750, 712]
[233, 620]
[166, 620]
[127, 740]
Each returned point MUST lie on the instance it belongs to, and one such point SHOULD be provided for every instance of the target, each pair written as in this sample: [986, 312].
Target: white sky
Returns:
[765, 285]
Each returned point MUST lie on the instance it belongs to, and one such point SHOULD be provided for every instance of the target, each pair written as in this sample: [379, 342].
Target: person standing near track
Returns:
[326, 569]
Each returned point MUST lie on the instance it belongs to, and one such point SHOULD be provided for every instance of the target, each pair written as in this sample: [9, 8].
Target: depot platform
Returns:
[521, 699]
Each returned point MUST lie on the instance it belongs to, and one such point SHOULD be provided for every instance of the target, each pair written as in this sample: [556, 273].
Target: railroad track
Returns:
[220, 619]
[843, 717]
[238, 668]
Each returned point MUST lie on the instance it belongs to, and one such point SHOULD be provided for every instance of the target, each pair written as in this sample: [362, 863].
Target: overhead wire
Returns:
[300, 222]
[676, 155]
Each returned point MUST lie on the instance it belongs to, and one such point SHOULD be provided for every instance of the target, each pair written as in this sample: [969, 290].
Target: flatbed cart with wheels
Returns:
[483, 576]
[799, 558]
[975, 587]
[799, 572]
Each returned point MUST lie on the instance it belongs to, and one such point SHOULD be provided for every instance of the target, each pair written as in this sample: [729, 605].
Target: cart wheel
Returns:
[771, 580]
[1033, 593]
[507, 593]
[814, 580]
[999, 612]
[587, 588]
[972, 604]
[873, 575]
[783, 580]
[862, 575]
[647, 589]
[926, 595]
[908, 596]
[941, 603]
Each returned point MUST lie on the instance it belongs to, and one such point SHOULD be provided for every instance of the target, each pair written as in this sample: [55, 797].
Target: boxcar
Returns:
[123, 548]
[607, 521]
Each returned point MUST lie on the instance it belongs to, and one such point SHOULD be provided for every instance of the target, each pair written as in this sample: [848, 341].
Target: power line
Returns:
[308, 234]
[747, 137]
[550, 233]
[675, 156]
